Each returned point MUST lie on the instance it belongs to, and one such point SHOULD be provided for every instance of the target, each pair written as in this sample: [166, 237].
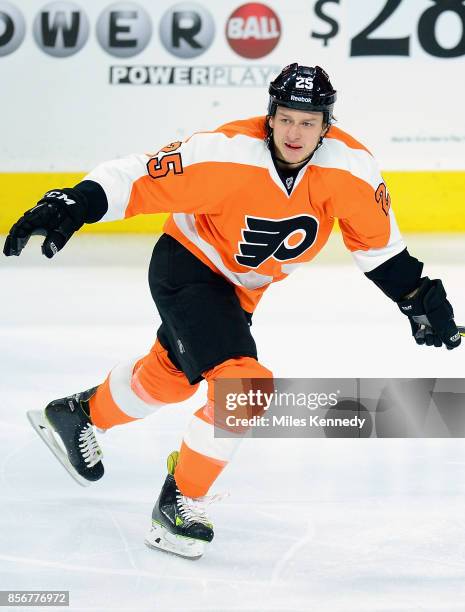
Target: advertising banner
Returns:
[86, 82]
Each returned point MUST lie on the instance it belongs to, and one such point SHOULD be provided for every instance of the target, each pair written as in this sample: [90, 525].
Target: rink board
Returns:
[423, 201]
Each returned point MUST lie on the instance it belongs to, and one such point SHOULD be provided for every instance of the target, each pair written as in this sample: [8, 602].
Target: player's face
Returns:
[296, 133]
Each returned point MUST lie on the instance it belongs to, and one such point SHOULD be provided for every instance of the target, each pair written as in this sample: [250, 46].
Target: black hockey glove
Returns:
[431, 316]
[59, 214]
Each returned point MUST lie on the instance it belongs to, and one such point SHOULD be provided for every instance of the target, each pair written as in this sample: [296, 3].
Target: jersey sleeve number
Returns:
[157, 168]
[382, 197]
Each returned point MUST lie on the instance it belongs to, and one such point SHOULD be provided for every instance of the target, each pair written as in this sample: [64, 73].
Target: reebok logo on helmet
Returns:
[300, 99]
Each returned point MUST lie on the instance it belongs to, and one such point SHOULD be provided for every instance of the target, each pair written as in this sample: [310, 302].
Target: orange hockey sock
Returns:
[135, 390]
[204, 456]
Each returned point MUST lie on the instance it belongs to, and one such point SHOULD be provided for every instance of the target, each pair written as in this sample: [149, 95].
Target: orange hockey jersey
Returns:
[230, 208]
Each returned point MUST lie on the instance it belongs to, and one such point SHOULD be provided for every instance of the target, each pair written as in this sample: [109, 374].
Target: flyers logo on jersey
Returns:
[282, 239]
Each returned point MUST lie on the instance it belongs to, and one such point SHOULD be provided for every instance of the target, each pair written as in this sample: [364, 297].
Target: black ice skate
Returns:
[68, 420]
[180, 524]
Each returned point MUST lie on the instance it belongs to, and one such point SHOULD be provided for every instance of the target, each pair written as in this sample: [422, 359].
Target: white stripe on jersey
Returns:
[117, 178]
[217, 147]
[289, 268]
[250, 280]
[361, 164]
[336, 154]
[371, 259]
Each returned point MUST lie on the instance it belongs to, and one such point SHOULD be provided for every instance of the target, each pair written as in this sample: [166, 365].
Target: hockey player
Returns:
[250, 201]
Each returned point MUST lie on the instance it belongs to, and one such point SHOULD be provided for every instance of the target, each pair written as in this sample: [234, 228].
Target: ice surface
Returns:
[311, 525]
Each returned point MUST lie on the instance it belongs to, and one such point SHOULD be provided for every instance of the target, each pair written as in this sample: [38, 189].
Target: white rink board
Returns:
[63, 114]
[324, 525]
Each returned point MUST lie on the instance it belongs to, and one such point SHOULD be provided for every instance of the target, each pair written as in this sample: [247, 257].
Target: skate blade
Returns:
[42, 427]
[160, 538]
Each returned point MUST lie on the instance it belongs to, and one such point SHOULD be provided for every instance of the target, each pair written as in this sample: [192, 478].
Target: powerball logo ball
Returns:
[253, 30]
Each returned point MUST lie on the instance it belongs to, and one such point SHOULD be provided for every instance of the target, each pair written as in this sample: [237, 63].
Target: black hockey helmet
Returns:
[305, 88]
